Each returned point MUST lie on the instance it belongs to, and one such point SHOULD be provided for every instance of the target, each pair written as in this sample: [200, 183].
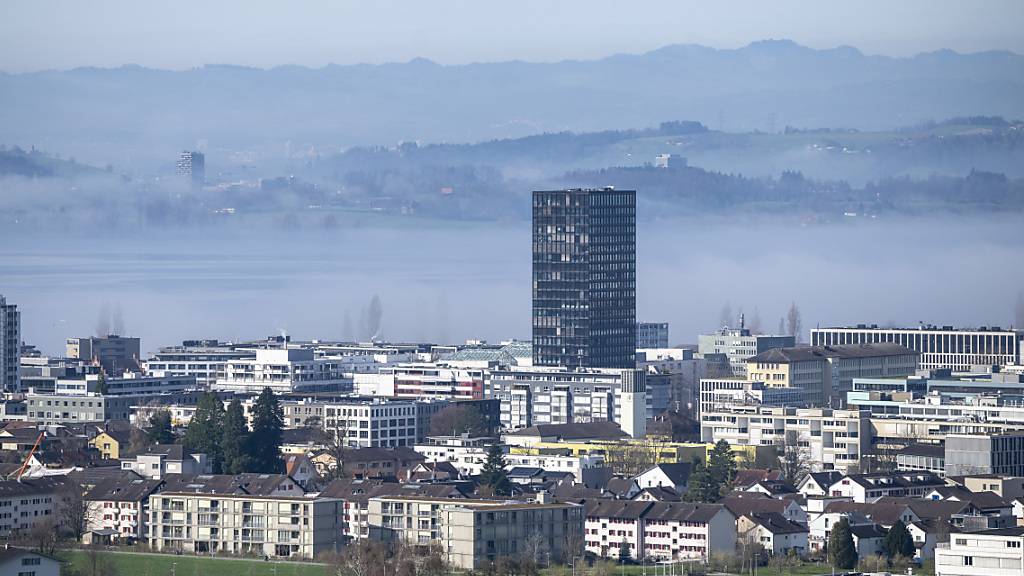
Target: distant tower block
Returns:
[192, 165]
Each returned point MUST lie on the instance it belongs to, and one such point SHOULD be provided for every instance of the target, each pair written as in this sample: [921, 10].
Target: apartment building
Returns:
[162, 460]
[466, 453]
[28, 502]
[722, 394]
[826, 373]
[939, 347]
[474, 531]
[828, 439]
[285, 370]
[261, 514]
[870, 487]
[932, 418]
[424, 380]
[998, 552]
[658, 530]
[372, 422]
[121, 505]
[541, 395]
[206, 361]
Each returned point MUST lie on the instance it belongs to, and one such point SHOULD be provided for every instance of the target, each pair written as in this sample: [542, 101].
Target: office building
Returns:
[724, 394]
[10, 346]
[826, 373]
[584, 278]
[683, 370]
[192, 165]
[132, 384]
[999, 454]
[365, 423]
[945, 347]
[472, 532]
[424, 380]
[739, 344]
[652, 334]
[115, 354]
[78, 408]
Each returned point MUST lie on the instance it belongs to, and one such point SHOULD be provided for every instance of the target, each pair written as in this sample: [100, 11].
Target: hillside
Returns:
[151, 114]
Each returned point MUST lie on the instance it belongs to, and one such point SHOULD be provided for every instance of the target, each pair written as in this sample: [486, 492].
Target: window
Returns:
[968, 560]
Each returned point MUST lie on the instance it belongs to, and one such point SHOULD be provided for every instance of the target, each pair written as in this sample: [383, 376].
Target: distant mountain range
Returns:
[142, 117]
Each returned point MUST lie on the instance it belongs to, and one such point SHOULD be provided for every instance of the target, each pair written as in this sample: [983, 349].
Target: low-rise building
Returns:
[776, 533]
[997, 552]
[871, 487]
[466, 453]
[21, 562]
[27, 502]
[161, 460]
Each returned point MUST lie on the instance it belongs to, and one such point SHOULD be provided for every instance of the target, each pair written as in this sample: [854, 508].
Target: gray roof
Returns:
[574, 431]
[868, 531]
[114, 490]
[678, 472]
[805, 353]
[249, 483]
[30, 486]
[776, 523]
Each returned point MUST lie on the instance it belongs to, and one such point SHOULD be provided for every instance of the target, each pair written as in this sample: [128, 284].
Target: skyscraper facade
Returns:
[10, 345]
[584, 278]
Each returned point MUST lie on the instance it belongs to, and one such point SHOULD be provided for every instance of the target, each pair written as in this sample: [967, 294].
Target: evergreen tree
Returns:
[493, 473]
[899, 542]
[266, 437]
[204, 430]
[101, 384]
[234, 441]
[842, 553]
[159, 429]
[624, 550]
[722, 465]
[701, 486]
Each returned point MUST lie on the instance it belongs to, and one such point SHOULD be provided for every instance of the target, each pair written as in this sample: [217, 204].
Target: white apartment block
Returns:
[870, 487]
[574, 465]
[997, 552]
[932, 418]
[208, 514]
[369, 423]
[658, 530]
[945, 347]
[122, 506]
[550, 395]
[10, 346]
[285, 370]
[467, 454]
[206, 363]
[828, 439]
[424, 380]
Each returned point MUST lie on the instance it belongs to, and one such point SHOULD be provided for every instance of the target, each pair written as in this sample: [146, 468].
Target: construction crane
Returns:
[21, 471]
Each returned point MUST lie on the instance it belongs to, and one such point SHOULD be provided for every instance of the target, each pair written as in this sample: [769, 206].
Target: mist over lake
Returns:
[445, 282]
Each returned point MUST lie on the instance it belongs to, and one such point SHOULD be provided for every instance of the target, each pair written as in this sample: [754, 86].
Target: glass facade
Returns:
[584, 278]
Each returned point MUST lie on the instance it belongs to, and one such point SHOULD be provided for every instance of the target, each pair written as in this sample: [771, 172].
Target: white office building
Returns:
[285, 370]
[946, 347]
[998, 552]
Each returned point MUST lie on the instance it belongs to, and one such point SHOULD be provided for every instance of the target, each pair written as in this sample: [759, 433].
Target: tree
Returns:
[234, 440]
[97, 564]
[899, 542]
[493, 474]
[793, 321]
[456, 419]
[794, 462]
[73, 511]
[624, 550]
[204, 430]
[701, 486]
[842, 553]
[722, 465]
[101, 384]
[266, 437]
[159, 429]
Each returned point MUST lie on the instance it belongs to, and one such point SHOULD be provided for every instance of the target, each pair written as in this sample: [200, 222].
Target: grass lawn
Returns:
[164, 564]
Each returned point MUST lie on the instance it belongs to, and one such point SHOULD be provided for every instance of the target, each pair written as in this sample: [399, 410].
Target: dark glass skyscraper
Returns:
[584, 278]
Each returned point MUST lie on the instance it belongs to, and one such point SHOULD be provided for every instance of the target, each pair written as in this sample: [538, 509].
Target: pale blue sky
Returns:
[37, 34]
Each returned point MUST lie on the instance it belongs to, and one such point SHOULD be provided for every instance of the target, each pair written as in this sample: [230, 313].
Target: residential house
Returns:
[776, 533]
[21, 562]
[674, 476]
[161, 460]
[870, 487]
[121, 506]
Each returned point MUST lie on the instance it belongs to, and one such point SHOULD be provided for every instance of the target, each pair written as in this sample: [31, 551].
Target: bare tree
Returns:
[98, 564]
[43, 537]
[725, 317]
[794, 461]
[74, 514]
[793, 321]
[535, 549]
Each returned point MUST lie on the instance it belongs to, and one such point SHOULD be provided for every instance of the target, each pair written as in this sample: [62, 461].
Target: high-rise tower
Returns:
[584, 278]
[10, 346]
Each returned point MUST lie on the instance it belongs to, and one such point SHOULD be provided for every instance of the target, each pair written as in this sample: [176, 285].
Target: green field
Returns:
[129, 564]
